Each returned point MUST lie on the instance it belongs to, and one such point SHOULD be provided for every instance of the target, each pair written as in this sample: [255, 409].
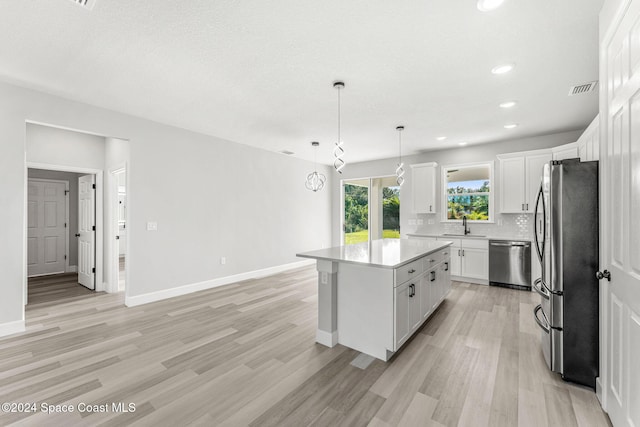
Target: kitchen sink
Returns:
[463, 235]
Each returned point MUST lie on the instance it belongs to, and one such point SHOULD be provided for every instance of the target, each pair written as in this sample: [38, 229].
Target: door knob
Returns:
[603, 275]
[77, 234]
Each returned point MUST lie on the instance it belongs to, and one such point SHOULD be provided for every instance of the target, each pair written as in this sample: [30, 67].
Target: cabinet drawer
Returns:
[432, 260]
[408, 272]
[475, 244]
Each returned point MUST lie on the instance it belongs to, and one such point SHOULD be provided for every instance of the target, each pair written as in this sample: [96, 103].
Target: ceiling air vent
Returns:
[287, 152]
[87, 4]
[583, 88]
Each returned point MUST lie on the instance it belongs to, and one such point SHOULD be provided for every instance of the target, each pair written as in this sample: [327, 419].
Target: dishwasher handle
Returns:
[510, 244]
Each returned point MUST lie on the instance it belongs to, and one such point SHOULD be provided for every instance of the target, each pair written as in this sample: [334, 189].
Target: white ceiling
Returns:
[261, 72]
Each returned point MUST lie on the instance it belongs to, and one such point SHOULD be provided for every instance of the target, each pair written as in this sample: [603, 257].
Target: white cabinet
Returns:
[475, 263]
[589, 142]
[423, 184]
[403, 301]
[520, 175]
[567, 151]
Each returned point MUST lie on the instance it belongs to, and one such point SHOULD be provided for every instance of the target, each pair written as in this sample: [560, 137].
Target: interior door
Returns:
[87, 231]
[46, 232]
[620, 201]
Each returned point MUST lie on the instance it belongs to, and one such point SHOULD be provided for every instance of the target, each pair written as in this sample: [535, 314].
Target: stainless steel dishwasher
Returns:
[510, 263]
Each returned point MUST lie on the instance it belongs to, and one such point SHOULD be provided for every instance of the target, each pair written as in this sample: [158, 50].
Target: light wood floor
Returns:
[244, 354]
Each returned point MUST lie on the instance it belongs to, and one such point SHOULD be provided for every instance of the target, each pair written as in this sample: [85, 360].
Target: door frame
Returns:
[100, 286]
[66, 217]
[112, 228]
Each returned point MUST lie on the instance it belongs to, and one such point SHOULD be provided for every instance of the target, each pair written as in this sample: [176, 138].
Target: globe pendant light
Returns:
[338, 151]
[315, 181]
[400, 169]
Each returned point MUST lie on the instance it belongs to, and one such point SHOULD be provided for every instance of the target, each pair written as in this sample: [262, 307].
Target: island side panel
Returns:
[327, 332]
[365, 309]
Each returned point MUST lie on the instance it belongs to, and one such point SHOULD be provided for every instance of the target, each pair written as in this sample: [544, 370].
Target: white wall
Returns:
[210, 197]
[46, 144]
[458, 155]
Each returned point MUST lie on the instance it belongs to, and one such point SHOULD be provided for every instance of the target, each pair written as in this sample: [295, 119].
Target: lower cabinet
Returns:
[417, 299]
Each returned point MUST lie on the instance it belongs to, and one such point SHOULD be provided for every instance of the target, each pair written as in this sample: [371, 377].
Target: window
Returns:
[371, 209]
[467, 192]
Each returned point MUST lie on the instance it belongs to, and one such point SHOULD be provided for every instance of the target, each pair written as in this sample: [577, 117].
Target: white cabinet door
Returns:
[402, 320]
[475, 263]
[423, 183]
[512, 184]
[426, 306]
[534, 165]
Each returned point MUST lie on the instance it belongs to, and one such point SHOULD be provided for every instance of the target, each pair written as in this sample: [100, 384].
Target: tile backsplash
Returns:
[508, 226]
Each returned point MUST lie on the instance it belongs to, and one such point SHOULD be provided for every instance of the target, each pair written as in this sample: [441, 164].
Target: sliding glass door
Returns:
[371, 209]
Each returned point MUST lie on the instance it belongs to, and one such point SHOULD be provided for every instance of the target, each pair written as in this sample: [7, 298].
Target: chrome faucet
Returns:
[464, 224]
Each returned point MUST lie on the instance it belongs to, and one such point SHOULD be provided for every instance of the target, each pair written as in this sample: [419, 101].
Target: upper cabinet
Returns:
[567, 151]
[589, 142]
[423, 183]
[520, 175]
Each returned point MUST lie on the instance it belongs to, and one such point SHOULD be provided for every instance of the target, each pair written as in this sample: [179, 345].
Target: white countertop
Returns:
[469, 236]
[385, 253]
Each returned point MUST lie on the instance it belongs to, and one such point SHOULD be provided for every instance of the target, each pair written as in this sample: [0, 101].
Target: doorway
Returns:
[371, 209]
[61, 233]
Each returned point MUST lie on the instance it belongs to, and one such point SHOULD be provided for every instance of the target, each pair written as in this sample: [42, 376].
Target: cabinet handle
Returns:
[458, 252]
[463, 252]
[445, 253]
[446, 266]
[433, 276]
[432, 260]
[430, 208]
[411, 271]
[527, 204]
[412, 290]
[523, 206]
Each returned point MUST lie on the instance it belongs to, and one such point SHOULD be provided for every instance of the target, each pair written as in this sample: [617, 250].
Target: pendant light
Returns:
[400, 169]
[315, 181]
[338, 151]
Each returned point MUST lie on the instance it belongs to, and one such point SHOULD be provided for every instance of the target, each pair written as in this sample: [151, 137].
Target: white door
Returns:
[46, 232]
[620, 207]
[86, 231]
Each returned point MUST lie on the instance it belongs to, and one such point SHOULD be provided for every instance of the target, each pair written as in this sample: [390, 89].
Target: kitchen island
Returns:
[373, 296]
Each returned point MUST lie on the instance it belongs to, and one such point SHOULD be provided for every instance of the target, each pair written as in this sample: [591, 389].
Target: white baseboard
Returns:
[132, 301]
[72, 269]
[330, 339]
[599, 392]
[10, 328]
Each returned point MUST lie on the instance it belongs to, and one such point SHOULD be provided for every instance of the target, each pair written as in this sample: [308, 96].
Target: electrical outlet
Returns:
[430, 222]
[420, 221]
[412, 222]
[223, 260]
[152, 226]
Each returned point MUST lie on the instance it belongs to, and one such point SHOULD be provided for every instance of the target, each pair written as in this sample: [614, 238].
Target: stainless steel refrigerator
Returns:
[566, 237]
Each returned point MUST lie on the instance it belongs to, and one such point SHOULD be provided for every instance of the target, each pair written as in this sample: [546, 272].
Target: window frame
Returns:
[445, 184]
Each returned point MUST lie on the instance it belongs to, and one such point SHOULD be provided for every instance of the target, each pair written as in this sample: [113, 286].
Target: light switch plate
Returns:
[152, 226]
[430, 221]
[412, 222]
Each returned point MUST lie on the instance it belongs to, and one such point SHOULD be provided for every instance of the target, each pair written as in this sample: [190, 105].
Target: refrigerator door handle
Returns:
[540, 245]
[538, 287]
[544, 325]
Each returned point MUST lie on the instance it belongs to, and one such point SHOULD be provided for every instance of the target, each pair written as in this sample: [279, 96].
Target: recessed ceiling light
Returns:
[501, 69]
[441, 138]
[463, 143]
[488, 5]
[508, 104]
[511, 126]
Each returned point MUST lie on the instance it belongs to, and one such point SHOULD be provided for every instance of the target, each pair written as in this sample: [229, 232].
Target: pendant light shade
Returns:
[400, 168]
[338, 150]
[315, 181]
